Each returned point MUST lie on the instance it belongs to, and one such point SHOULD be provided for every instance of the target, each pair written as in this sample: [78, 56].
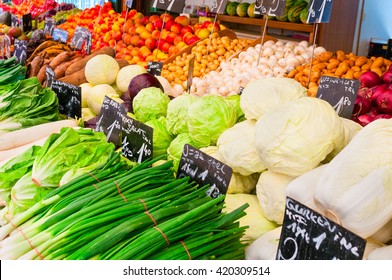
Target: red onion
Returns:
[377, 91]
[363, 92]
[365, 119]
[362, 106]
[369, 79]
[383, 116]
[384, 101]
[386, 78]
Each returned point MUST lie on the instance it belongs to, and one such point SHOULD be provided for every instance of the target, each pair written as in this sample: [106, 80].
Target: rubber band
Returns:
[119, 191]
[28, 241]
[151, 217]
[186, 249]
[144, 204]
[164, 236]
[92, 175]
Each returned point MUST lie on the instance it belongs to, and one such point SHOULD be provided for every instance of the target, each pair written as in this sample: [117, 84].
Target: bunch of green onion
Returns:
[122, 212]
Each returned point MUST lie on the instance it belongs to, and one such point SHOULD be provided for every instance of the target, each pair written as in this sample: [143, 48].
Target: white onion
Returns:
[304, 44]
[268, 52]
[282, 62]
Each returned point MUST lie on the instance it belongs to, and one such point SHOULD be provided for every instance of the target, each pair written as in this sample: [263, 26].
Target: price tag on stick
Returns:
[340, 93]
[319, 11]
[137, 140]
[110, 120]
[49, 25]
[80, 37]
[70, 98]
[27, 22]
[59, 34]
[270, 7]
[218, 6]
[20, 48]
[50, 75]
[308, 235]
[174, 6]
[154, 68]
[204, 170]
[190, 74]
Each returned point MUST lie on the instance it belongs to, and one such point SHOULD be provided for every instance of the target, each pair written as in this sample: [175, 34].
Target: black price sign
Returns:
[154, 68]
[240, 90]
[270, 7]
[5, 45]
[50, 75]
[204, 170]
[15, 21]
[49, 25]
[137, 140]
[70, 98]
[307, 235]
[27, 22]
[129, 4]
[175, 6]
[340, 93]
[319, 11]
[110, 120]
[59, 34]
[80, 37]
[20, 48]
[218, 6]
[190, 74]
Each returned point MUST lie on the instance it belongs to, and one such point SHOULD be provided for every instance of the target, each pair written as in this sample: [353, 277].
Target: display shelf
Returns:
[300, 27]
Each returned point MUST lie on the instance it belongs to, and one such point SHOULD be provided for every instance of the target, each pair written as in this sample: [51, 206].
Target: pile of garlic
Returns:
[272, 59]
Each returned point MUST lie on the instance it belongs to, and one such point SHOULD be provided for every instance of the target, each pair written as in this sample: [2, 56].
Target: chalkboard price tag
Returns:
[204, 169]
[270, 7]
[27, 23]
[5, 42]
[70, 98]
[307, 235]
[240, 90]
[137, 140]
[50, 75]
[80, 37]
[110, 120]
[15, 22]
[340, 93]
[174, 6]
[129, 4]
[319, 11]
[59, 34]
[49, 25]
[20, 48]
[218, 6]
[154, 68]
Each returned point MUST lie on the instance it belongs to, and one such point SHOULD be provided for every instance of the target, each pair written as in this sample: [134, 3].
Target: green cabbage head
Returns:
[177, 113]
[150, 103]
[208, 117]
[161, 137]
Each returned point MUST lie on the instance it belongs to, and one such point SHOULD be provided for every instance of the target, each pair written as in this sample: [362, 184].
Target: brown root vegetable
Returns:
[60, 58]
[41, 76]
[35, 65]
[77, 78]
[82, 63]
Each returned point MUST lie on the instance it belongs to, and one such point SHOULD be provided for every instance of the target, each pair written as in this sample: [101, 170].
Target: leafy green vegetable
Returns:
[150, 103]
[26, 103]
[177, 113]
[208, 117]
[11, 71]
[177, 146]
[161, 136]
[68, 154]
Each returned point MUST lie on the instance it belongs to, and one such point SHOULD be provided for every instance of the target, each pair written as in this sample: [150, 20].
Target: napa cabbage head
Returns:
[298, 135]
[208, 117]
[263, 95]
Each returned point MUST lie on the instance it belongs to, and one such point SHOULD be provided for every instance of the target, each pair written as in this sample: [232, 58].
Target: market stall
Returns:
[153, 136]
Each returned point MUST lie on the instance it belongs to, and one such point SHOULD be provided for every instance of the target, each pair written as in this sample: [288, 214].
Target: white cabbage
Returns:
[263, 95]
[236, 146]
[254, 218]
[271, 193]
[381, 253]
[298, 135]
[265, 247]
[356, 187]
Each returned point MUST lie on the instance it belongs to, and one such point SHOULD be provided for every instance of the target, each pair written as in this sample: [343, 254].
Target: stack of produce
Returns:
[11, 71]
[336, 64]
[271, 59]
[208, 55]
[149, 214]
[26, 103]
[35, 7]
[374, 100]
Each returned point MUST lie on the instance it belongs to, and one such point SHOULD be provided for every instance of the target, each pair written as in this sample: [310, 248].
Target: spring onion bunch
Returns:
[11, 71]
[122, 212]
